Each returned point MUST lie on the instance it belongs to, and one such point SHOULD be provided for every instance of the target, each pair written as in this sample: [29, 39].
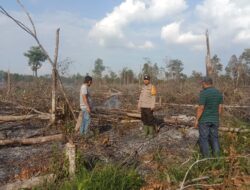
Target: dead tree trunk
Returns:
[209, 68]
[71, 154]
[65, 97]
[8, 84]
[54, 80]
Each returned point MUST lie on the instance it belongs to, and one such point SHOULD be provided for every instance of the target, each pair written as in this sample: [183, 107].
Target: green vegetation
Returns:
[107, 177]
[221, 170]
[90, 175]
[36, 56]
[94, 175]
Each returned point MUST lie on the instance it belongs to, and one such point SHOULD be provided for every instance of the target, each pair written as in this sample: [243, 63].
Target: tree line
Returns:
[237, 70]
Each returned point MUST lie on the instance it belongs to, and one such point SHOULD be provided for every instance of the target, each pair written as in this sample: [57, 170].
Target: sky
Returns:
[126, 33]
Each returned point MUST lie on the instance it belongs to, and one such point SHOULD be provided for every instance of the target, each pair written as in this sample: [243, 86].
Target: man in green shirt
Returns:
[207, 117]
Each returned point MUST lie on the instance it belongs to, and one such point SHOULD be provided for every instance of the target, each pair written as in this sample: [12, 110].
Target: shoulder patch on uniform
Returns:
[153, 90]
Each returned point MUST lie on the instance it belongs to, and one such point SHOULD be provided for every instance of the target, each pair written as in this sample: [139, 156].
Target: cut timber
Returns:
[36, 140]
[135, 115]
[28, 184]
[24, 117]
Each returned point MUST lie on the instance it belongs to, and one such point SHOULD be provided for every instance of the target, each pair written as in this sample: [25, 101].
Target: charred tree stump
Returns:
[71, 155]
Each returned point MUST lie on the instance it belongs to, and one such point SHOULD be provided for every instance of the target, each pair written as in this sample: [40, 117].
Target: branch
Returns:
[27, 29]
[203, 185]
[18, 106]
[19, 23]
[27, 13]
[34, 34]
[205, 159]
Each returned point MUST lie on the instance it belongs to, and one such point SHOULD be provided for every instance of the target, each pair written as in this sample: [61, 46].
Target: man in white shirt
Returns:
[85, 104]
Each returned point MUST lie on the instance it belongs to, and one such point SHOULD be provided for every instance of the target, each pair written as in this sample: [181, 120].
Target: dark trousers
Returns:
[147, 116]
[208, 135]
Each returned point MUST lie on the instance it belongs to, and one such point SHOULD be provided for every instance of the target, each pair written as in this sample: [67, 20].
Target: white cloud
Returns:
[133, 11]
[172, 34]
[242, 36]
[156, 9]
[229, 19]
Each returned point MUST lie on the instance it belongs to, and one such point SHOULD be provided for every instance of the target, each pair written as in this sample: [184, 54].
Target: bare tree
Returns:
[209, 67]
[55, 75]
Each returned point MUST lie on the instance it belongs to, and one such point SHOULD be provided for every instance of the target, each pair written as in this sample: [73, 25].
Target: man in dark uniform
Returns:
[146, 105]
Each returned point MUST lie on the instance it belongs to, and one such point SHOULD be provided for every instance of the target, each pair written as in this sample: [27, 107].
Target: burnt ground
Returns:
[19, 161]
[125, 144]
[113, 142]
[128, 146]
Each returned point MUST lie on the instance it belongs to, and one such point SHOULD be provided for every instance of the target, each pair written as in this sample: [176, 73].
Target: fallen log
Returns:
[28, 184]
[6, 118]
[193, 105]
[130, 121]
[235, 130]
[189, 121]
[191, 124]
[35, 140]
[177, 122]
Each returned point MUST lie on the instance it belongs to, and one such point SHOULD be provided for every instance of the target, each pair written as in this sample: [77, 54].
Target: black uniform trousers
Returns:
[147, 116]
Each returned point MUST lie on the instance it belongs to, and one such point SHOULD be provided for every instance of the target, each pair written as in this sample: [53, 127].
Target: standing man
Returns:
[207, 117]
[85, 104]
[146, 105]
